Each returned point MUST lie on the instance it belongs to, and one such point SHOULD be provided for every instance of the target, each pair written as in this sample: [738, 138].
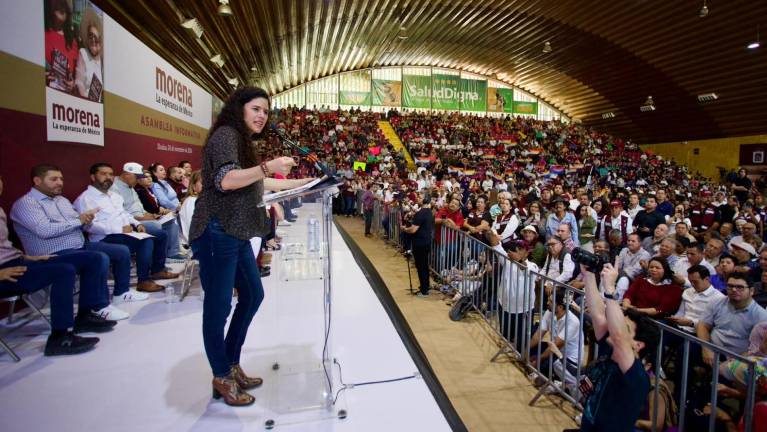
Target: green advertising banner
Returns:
[444, 94]
[525, 107]
[473, 95]
[500, 100]
[416, 91]
[387, 93]
[353, 98]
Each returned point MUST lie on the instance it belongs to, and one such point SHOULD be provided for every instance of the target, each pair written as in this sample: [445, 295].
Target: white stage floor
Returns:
[151, 373]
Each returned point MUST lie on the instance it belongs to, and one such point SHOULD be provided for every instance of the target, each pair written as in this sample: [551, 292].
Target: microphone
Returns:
[308, 155]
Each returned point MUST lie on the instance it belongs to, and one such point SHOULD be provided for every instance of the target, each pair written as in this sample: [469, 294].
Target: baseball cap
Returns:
[530, 228]
[134, 168]
[616, 203]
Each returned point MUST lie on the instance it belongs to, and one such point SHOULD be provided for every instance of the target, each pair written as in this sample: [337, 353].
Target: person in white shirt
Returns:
[112, 224]
[187, 206]
[695, 299]
[566, 335]
[634, 207]
[628, 264]
[619, 220]
[559, 266]
[515, 299]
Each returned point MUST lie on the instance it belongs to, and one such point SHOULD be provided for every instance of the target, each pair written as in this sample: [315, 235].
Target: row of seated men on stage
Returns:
[133, 215]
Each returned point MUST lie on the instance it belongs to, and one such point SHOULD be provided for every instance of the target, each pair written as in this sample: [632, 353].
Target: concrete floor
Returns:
[487, 396]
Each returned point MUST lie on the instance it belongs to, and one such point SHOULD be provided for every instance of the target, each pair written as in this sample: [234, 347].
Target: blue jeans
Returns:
[170, 229]
[119, 258]
[349, 205]
[60, 271]
[226, 262]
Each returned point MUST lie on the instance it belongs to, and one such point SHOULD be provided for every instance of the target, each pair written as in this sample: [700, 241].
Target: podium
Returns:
[305, 386]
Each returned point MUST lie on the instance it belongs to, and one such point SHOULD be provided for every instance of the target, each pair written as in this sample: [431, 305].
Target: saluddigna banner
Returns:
[525, 107]
[387, 93]
[499, 100]
[416, 91]
[353, 98]
[444, 93]
[473, 95]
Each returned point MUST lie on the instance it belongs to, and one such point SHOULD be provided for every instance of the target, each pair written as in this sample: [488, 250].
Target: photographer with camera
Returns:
[626, 346]
[422, 230]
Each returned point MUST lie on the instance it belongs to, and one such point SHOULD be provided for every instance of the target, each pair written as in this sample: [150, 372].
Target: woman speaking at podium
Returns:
[228, 214]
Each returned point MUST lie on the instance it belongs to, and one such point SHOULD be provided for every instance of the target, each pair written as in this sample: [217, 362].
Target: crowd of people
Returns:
[686, 250]
[680, 248]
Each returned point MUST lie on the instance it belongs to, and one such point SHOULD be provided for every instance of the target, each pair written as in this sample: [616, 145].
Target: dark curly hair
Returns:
[232, 115]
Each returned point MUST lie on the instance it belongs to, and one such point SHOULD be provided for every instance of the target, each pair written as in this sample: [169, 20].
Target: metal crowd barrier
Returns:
[514, 302]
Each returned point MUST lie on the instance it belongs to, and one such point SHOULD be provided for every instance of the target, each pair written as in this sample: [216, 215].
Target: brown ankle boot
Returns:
[245, 382]
[231, 392]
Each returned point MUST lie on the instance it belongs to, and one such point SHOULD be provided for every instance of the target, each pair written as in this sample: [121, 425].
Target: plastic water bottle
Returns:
[170, 294]
[313, 234]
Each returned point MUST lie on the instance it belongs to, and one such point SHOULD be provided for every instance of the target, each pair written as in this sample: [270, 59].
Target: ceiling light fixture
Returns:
[755, 44]
[547, 47]
[704, 10]
[707, 97]
[217, 60]
[193, 25]
[649, 105]
[402, 37]
[234, 82]
[224, 9]
[608, 115]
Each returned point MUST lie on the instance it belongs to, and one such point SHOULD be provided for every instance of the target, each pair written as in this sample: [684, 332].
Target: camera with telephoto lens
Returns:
[591, 261]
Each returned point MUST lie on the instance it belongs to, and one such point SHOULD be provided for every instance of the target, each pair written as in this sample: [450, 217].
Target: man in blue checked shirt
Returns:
[47, 224]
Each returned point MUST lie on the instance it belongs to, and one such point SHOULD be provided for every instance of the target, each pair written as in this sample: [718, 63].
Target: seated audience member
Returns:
[760, 290]
[565, 233]
[655, 295]
[123, 186]
[727, 265]
[163, 191]
[629, 264]
[175, 180]
[187, 207]
[47, 224]
[652, 243]
[712, 252]
[112, 226]
[682, 231]
[695, 299]
[27, 274]
[586, 228]
[757, 272]
[506, 223]
[744, 255]
[725, 232]
[617, 220]
[728, 321]
[560, 216]
[748, 235]
[648, 219]
[564, 327]
[187, 167]
[615, 244]
[537, 249]
[143, 188]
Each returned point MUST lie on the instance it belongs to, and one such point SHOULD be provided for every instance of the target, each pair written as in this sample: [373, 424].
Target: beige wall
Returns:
[714, 153]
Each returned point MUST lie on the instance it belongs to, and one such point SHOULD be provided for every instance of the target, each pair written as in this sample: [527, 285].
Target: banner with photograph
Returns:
[74, 71]
[500, 100]
[416, 92]
[353, 98]
[387, 93]
[530, 108]
[445, 91]
[473, 95]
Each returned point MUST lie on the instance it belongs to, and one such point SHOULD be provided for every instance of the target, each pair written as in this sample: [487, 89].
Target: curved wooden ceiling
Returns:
[606, 56]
